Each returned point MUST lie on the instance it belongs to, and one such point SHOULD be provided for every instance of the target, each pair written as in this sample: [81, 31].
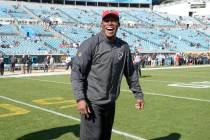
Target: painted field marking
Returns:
[12, 110]
[71, 117]
[203, 84]
[55, 101]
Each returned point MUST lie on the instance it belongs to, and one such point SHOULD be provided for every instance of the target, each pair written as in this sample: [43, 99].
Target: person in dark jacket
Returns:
[29, 64]
[46, 63]
[13, 61]
[96, 77]
[1, 65]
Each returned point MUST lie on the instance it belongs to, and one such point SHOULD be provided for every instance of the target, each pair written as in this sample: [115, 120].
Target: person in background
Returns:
[96, 76]
[52, 63]
[1, 65]
[68, 62]
[13, 61]
[29, 64]
[137, 63]
[23, 64]
[46, 63]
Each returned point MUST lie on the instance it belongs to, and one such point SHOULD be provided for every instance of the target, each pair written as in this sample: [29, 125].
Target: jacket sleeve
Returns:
[132, 77]
[80, 69]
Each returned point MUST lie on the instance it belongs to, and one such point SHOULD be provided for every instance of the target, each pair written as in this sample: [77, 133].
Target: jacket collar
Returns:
[102, 37]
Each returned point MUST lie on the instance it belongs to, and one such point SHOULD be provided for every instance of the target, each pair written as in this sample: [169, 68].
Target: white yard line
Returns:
[49, 81]
[147, 93]
[58, 82]
[194, 76]
[180, 67]
[70, 117]
[155, 81]
[180, 97]
[172, 96]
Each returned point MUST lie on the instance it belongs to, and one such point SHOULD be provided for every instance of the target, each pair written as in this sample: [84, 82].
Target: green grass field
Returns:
[177, 107]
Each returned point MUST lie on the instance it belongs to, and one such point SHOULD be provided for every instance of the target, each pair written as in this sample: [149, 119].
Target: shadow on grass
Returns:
[145, 76]
[172, 136]
[52, 133]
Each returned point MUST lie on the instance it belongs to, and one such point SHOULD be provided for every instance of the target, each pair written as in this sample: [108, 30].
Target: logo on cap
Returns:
[110, 12]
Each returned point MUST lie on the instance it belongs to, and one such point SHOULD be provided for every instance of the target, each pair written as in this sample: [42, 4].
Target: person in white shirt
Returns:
[68, 62]
[52, 63]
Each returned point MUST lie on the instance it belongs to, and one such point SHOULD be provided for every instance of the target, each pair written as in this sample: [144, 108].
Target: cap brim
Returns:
[111, 14]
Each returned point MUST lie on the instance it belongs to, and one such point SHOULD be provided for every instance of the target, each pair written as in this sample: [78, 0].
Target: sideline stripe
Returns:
[177, 67]
[67, 72]
[34, 74]
[71, 117]
[172, 96]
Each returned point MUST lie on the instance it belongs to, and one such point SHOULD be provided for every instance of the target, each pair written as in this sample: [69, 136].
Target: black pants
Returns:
[68, 65]
[139, 71]
[45, 68]
[99, 125]
[12, 67]
[29, 68]
[137, 67]
[2, 69]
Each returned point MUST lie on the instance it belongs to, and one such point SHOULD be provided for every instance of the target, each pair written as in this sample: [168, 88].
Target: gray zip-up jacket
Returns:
[98, 68]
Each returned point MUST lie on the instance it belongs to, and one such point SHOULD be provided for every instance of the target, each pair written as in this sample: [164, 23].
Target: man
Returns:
[137, 63]
[96, 76]
[29, 64]
[68, 62]
[13, 61]
[46, 63]
[52, 63]
[1, 65]
[23, 64]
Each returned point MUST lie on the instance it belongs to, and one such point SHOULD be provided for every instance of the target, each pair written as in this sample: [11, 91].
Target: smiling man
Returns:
[96, 77]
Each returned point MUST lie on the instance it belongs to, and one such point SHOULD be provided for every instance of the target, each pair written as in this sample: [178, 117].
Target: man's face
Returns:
[109, 26]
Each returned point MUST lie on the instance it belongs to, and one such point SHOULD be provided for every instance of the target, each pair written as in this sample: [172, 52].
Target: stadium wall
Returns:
[106, 3]
[184, 8]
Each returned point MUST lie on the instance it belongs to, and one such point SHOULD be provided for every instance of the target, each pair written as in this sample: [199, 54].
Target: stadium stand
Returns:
[46, 29]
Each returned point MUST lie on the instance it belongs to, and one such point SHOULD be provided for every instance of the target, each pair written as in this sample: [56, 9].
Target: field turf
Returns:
[177, 107]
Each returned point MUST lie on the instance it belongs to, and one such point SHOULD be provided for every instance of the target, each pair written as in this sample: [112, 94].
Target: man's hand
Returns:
[139, 104]
[83, 108]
